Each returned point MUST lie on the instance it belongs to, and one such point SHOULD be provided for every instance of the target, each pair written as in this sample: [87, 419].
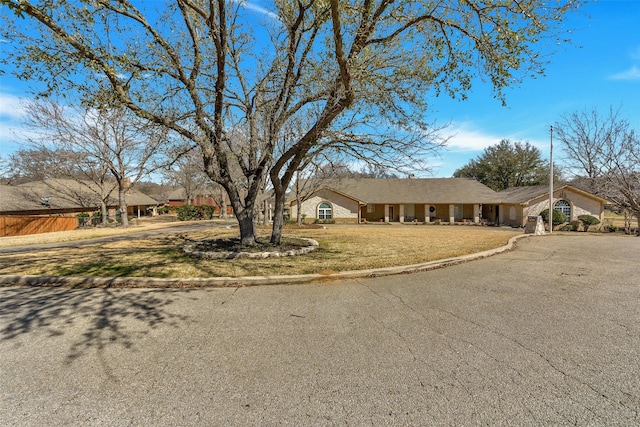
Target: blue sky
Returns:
[601, 68]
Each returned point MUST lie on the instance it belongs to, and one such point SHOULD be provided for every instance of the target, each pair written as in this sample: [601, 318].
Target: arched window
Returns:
[324, 211]
[564, 207]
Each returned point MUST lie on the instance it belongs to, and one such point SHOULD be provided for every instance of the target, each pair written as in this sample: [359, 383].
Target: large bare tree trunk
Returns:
[103, 211]
[278, 219]
[123, 208]
[627, 221]
[247, 227]
[298, 211]
[223, 205]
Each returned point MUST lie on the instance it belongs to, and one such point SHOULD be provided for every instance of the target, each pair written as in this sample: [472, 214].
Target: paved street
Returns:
[546, 334]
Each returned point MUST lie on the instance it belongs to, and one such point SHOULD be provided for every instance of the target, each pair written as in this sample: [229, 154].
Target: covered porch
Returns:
[429, 213]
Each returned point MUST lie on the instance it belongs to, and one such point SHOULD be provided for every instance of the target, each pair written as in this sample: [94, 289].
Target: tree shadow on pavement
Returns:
[103, 316]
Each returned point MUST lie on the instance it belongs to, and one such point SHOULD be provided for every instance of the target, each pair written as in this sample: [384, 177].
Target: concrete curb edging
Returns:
[221, 282]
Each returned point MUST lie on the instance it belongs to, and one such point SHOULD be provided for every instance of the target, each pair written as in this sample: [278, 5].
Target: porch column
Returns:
[452, 214]
[401, 212]
[476, 213]
[386, 213]
[427, 213]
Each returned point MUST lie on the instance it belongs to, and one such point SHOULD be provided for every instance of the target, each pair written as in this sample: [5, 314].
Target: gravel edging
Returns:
[191, 250]
[221, 282]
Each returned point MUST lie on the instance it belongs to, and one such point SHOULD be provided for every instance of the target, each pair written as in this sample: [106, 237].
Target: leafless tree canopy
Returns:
[108, 147]
[603, 154]
[358, 74]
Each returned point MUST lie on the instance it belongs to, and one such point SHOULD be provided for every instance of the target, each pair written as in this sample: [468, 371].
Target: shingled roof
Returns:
[60, 195]
[413, 190]
[524, 195]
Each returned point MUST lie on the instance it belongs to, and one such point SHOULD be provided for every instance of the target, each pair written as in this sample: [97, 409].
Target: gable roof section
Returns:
[413, 190]
[60, 195]
[16, 199]
[525, 195]
[136, 198]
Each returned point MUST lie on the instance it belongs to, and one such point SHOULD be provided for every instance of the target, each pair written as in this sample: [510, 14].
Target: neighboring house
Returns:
[67, 197]
[178, 197]
[21, 200]
[520, 202]
[447, 200]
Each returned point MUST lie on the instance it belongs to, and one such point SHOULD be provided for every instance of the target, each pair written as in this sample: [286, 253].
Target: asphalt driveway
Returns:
[546, 334]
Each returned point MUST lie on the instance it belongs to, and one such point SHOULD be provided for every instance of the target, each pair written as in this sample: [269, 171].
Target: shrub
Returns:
[588, 220]
[558, 217]
[575, 225]
[207, 211]
[188, 212]
[611, 228]
[324, 221]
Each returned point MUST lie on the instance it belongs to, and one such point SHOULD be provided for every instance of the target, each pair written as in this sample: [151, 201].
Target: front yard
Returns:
[342, 248]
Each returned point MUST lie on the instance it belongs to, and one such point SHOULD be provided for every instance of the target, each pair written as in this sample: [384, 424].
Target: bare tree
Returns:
[357, 67]
[603, 152]
[48, 164]
[105, 141]
[187, 172]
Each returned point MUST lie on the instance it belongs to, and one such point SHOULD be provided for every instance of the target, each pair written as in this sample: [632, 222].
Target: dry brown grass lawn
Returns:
[342, 248]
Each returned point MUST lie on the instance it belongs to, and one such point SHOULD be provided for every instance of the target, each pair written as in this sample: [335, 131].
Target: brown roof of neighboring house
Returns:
[61, 194]
[524, 195]
[136, 198]
[413, 190]
[181, 193]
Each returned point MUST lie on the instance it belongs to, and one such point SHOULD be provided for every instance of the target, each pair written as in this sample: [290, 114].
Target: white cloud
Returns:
[11, 114]
[467, 138]
[258, 9]
[464, 138]
[11, 107]
[631, 74]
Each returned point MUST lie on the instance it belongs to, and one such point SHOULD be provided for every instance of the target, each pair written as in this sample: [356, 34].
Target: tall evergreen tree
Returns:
[507, 164]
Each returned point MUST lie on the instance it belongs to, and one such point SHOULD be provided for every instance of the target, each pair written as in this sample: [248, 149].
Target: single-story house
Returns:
[68, 197]
[178, 197]
[428, 200]
[520, 202]
[400, 200]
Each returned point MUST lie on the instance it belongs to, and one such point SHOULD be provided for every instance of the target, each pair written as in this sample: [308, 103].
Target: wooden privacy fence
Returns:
[23, 225]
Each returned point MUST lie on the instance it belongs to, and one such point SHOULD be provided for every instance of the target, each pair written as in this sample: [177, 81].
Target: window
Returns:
[564, 207]
[324, 211]
[371, 208]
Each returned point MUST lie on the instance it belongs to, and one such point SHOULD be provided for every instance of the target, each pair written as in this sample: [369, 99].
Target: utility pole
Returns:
[551, 183]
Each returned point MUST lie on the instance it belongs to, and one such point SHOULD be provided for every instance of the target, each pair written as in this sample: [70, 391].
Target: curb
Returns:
[235, 282]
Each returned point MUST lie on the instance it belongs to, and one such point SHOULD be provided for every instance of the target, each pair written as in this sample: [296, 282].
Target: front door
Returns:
[390, 213]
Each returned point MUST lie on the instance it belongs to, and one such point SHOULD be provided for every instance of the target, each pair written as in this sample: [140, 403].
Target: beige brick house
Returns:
[519, 202]
[432, 200]
[400, 200]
